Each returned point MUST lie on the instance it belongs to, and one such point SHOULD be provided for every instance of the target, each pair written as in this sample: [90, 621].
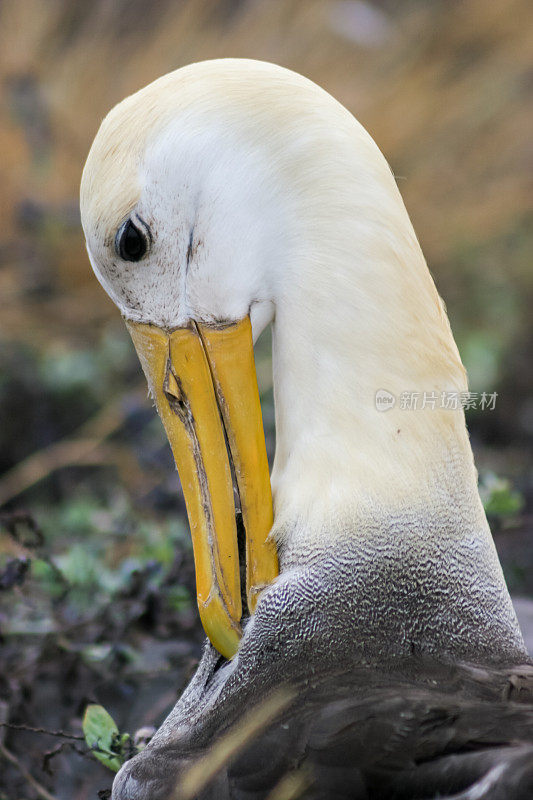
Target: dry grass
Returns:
[445, 94]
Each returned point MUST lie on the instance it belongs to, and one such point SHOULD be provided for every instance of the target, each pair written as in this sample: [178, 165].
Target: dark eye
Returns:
[132, 243]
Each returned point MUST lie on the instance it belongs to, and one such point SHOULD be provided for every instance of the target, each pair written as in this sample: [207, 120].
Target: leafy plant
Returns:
[107, 744]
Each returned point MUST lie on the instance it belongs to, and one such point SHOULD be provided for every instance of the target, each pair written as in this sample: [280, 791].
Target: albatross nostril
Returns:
[171, 386]
[173, 392]
[178, 406]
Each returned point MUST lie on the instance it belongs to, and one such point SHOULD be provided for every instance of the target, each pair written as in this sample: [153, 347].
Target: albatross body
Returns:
[234, 194]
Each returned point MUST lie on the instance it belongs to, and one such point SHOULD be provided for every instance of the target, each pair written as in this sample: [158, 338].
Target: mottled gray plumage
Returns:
[410, 728]
[358, 631]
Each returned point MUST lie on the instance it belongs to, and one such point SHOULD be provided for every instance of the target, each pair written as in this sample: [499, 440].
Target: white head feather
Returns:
[263, 194]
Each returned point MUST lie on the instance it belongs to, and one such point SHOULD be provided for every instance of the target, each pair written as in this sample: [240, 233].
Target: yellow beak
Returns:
[204, 384]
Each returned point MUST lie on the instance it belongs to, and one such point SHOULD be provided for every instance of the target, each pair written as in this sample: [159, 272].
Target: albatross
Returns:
[225, 197]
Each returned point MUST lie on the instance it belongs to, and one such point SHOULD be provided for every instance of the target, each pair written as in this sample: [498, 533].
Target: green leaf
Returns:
[504, 502]
[499, 498]
[101, 734]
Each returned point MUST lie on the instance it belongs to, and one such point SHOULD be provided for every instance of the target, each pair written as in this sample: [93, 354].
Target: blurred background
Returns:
[96, 581]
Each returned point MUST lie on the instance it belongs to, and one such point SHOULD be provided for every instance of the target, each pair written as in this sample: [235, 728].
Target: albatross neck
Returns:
[349, 328]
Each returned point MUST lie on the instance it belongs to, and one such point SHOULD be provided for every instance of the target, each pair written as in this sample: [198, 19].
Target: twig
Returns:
[39, 788]
[202, 771]
[58, 749]
[60, 734]
[291, 786]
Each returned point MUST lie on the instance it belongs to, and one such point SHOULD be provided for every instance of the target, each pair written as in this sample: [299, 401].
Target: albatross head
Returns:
[231, 194]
